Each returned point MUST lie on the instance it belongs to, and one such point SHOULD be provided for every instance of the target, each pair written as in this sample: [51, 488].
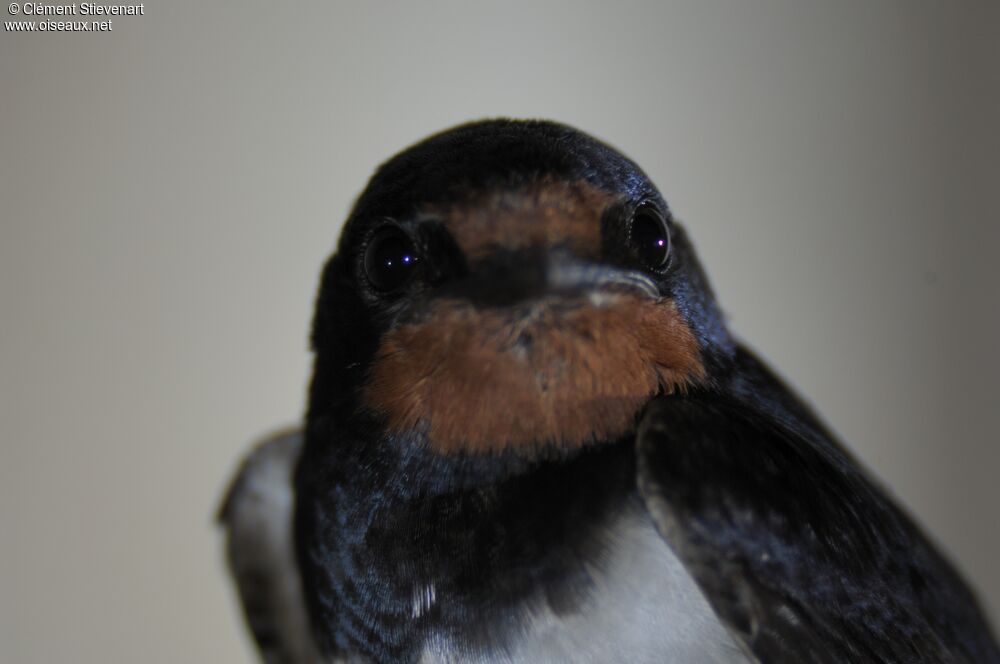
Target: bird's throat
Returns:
[488, 380]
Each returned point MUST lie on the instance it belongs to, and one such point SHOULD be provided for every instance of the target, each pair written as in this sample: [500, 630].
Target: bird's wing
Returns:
[257, 518]
[801, 555]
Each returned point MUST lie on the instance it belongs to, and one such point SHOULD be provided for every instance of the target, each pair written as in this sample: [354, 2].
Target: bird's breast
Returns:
[636, 603]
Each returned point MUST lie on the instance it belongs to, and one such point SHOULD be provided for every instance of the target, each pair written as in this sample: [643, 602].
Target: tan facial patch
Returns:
[491, 379]
[549, 213]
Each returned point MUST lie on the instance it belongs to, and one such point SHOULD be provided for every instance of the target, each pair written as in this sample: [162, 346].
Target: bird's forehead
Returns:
[545, 213]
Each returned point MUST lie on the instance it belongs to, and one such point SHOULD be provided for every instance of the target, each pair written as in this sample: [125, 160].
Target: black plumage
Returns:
[521, 375]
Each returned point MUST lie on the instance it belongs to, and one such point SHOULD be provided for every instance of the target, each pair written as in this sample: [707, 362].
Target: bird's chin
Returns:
[560, 373]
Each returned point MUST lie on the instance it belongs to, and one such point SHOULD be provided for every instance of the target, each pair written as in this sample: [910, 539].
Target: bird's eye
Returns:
[390, 259]
[649, 237]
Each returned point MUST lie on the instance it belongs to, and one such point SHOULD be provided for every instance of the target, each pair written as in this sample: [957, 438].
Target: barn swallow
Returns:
[531, 437]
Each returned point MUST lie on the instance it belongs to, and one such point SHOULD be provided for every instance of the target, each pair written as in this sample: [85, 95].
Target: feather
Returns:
[799, 553]
[257, 517]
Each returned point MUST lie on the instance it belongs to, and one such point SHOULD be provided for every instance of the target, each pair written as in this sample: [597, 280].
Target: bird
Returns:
[532, 437]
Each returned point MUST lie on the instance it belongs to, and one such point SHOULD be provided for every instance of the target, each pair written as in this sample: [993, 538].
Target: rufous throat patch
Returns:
[565, 373]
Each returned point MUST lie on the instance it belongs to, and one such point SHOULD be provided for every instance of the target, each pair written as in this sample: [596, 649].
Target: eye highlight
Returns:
[391, 259]
[649, 237]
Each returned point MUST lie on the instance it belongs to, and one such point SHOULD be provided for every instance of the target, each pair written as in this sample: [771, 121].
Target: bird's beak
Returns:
[589, 278]
[510, 278]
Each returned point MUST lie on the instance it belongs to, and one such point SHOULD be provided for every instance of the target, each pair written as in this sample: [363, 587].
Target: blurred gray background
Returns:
[171, 188]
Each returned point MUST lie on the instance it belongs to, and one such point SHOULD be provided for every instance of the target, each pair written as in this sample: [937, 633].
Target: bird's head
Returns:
[510, 287]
